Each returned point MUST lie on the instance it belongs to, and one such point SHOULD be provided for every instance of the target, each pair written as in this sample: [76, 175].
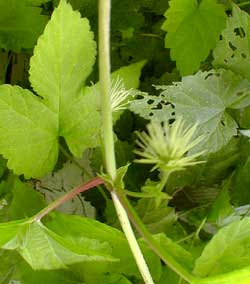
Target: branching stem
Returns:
[107, 128]
[155, 246]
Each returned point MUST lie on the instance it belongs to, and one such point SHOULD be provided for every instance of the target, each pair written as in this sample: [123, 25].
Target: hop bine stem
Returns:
[108, 141]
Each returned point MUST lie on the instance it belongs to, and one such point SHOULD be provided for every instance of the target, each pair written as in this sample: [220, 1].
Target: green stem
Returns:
[244, 4]
[126, 226]
[138, 194]
[107, 127]
[164, 179]
[105, 84]
[155, 246]
[150, 35]
[68, 196]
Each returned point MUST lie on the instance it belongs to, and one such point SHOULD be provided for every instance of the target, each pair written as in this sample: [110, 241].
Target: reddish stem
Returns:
[68, 196]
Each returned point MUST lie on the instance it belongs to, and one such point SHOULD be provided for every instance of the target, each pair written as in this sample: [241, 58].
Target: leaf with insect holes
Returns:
[233, 51]
[203, 98]
[192, 31]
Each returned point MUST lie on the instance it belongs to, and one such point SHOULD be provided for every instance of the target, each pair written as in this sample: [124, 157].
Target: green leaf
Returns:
[3, 163]
[181, 255]
[44, 249]
[221, 208]
[30, 276]
[205, 98]
[30, 127]
[55, 184]
[192, 31]
[170, 276]
[232, 51]
[64, 55]
[66, 62]
[227, 251]
[130, 74]
[12, 233]
[240, 276]
[81, 124]
[26, 201]
[115, 279]
[241, 183]
[10, 261]
[21, 24]
[159, 219]
[78, 229]
[148, 108]
[28, 130]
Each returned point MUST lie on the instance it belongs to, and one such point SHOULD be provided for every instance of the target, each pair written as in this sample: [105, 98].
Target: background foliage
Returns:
[196, 54]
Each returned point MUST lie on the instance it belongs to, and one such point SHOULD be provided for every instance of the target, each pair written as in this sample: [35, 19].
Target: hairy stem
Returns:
[107, 127]
[139, 258]
[68, 196]
[155, 246]
[105, 82]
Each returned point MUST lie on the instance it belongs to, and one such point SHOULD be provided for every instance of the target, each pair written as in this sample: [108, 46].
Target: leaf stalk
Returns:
[68, 196]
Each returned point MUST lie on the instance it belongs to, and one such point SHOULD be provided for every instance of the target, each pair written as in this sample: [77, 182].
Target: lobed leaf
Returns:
[64, 55]
[203, 98]
[227, 251]
[192, 31]
[28, 131]
[233, 51]
[44, 249]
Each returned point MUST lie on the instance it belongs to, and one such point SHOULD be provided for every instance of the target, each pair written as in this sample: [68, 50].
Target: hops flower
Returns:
[120, 96]
[167, 146]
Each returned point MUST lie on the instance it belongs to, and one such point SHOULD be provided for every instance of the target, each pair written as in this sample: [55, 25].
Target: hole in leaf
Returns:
[243, 55]
[232, 46]
[159, 106]
[208, 75]
[173, 113]
[240, 32]
[150, 101]
[151, 114]
[223, 123]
